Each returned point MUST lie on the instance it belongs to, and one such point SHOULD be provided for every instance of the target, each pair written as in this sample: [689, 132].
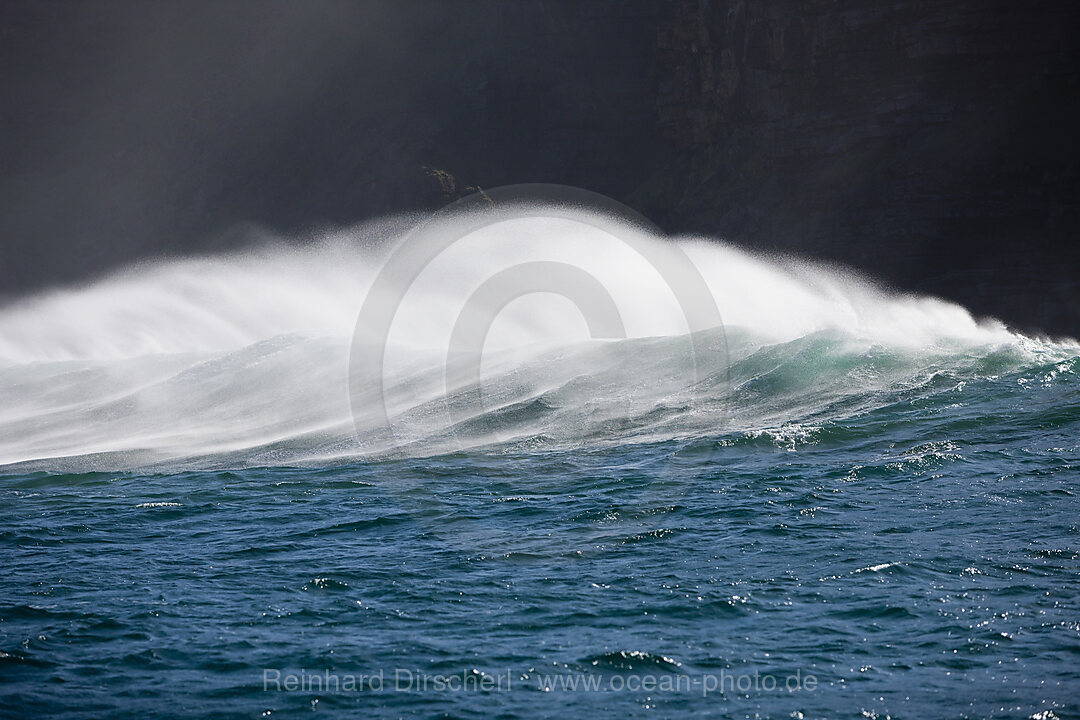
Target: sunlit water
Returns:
[877, 492]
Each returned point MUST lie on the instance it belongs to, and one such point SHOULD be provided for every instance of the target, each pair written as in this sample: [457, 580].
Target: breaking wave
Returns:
[243, 359]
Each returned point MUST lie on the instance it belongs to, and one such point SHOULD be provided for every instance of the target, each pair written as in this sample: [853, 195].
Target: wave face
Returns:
[243, 359]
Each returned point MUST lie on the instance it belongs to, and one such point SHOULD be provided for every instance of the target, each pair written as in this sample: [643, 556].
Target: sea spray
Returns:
[242, 358]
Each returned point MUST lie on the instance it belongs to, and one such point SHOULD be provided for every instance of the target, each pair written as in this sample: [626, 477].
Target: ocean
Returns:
[843, 502]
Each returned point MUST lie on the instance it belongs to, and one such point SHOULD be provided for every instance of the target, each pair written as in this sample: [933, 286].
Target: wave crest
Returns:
[242, 358]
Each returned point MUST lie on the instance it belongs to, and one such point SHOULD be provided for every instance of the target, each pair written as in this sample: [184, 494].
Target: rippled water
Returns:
[845, 503]
[917, 559]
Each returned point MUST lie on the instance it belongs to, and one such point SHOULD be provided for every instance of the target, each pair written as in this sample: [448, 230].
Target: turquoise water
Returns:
[917, 557]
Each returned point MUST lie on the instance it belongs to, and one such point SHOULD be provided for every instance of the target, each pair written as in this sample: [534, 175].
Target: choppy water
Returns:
[871, 491]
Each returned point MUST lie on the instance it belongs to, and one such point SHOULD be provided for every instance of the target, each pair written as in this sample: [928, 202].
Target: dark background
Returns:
[932, 144]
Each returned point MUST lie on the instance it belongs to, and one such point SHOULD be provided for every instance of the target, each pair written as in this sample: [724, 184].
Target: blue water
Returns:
[821, 500]
[912, 548]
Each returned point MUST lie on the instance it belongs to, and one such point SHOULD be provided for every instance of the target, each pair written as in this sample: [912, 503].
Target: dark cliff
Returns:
[932, 144]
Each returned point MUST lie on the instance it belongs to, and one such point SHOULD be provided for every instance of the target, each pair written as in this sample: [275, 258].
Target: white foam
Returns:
[244, 355]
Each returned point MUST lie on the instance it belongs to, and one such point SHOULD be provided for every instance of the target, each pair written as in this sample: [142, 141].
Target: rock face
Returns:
[931, 143]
